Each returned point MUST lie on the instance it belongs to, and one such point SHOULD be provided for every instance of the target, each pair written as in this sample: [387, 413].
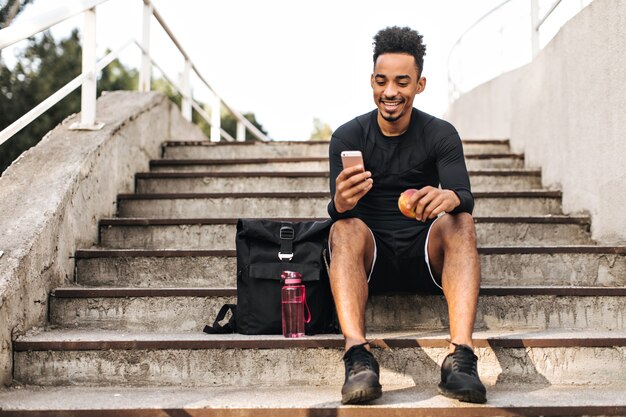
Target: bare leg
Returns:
[454, 257]
[352, 248]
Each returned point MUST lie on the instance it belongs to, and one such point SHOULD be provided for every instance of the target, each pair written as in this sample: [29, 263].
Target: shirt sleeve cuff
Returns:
[467, 202]
[335, 215]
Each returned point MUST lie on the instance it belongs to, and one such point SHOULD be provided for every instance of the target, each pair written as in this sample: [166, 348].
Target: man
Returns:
[374, 247]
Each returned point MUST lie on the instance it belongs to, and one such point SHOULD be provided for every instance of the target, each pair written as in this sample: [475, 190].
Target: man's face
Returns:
[395, 83]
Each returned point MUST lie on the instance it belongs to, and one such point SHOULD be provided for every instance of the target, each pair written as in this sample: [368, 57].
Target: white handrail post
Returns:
[241, 132]
[145, 73]
[216, 107]
[534, 30]
[88, 89]
[186, 87]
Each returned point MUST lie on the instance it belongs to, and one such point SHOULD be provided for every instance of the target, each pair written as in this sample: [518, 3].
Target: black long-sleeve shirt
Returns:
[428, 153]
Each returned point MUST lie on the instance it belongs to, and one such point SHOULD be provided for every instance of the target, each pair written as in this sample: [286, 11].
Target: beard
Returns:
[390, 118]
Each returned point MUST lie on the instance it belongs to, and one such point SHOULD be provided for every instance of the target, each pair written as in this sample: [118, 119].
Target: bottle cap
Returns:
[291, 277]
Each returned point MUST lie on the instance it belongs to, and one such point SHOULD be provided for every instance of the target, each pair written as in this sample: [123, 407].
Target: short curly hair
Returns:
[395, 39]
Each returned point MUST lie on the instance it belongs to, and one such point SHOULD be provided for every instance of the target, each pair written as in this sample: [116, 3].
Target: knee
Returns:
[459, 228]
[348, 231]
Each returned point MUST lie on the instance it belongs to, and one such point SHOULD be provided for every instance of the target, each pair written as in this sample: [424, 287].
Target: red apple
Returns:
[403, 200]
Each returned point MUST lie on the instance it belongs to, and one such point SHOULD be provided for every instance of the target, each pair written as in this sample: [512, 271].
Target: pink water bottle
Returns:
[293, 297]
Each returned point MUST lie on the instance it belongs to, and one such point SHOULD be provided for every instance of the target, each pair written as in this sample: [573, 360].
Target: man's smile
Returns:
[391, 105]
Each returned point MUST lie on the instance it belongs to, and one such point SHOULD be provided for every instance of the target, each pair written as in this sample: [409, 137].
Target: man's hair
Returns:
[395, 39]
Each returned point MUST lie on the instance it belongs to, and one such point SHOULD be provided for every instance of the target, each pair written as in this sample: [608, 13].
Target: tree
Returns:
[227, 120]
[116, 76]
[42, 68]
[11, 9]
[321, 130]
[229, 124]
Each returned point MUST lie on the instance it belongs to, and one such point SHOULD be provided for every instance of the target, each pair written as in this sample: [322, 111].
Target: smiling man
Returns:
[374, 247]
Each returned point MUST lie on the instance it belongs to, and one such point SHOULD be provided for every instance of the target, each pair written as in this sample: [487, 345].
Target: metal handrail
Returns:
[473, 25]
[167, 29]
[451, 83]
[87, 78]
[194, 104]
[536, 25]
[552, 9]
[39, 23]
[57, 96]
[253, 129]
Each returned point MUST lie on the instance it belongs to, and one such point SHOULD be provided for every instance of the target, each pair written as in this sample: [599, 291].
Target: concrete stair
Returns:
[186, 309]
[212, 233]
[538, 265]
[100, 358]
[317, 182]
[309, 204]
[238, 150]
[127, 340]
[309, 164]
[304, 401]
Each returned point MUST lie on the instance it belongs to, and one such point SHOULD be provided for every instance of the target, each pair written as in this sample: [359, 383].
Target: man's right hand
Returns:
[350, 186]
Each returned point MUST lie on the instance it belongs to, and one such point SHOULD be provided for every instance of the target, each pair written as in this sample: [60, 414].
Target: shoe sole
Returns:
[468, 396]
[361, 396]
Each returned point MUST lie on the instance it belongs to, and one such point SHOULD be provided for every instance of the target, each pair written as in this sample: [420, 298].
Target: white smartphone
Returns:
[351, 158]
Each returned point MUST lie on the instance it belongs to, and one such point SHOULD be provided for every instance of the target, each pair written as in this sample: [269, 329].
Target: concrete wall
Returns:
[566, 111]
[52, 197]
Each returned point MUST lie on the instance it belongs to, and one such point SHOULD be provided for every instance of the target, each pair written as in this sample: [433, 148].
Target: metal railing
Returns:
[512, 54]
[90, 68]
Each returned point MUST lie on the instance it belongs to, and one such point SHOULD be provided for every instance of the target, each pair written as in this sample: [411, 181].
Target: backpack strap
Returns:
[287, 235]
[230, 327]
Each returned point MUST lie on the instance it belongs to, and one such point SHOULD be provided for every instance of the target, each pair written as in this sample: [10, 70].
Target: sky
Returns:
[290, 62]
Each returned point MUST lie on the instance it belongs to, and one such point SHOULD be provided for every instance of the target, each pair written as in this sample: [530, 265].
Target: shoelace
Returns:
[464, 360]
[358, 359]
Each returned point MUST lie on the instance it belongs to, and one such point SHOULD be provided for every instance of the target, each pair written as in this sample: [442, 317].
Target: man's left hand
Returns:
[430, 202]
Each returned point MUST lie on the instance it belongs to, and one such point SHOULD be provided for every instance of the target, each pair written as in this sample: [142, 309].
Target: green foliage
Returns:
[228, 121]
[42, 68]
[10, 9]
[163, 86]
[229, 124]
[321, 130]
[116, 76]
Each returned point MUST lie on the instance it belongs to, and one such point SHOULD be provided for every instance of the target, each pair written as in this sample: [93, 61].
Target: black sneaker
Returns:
[459, 377]
[361, 376]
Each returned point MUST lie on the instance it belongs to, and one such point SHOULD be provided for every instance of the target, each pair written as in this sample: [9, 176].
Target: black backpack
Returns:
[265, 248]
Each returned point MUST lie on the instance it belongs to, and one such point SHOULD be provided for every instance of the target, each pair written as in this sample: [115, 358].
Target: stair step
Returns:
[98, 357]
[182, 150]
[549, 265]
[220, 233]
[189, 309]
[411, 400]
[309, 204]
[551, 328]
[548, 314]
[473, 162]
[237, 182]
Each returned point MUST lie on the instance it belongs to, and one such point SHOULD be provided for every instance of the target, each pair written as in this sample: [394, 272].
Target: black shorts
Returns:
[406, 271]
